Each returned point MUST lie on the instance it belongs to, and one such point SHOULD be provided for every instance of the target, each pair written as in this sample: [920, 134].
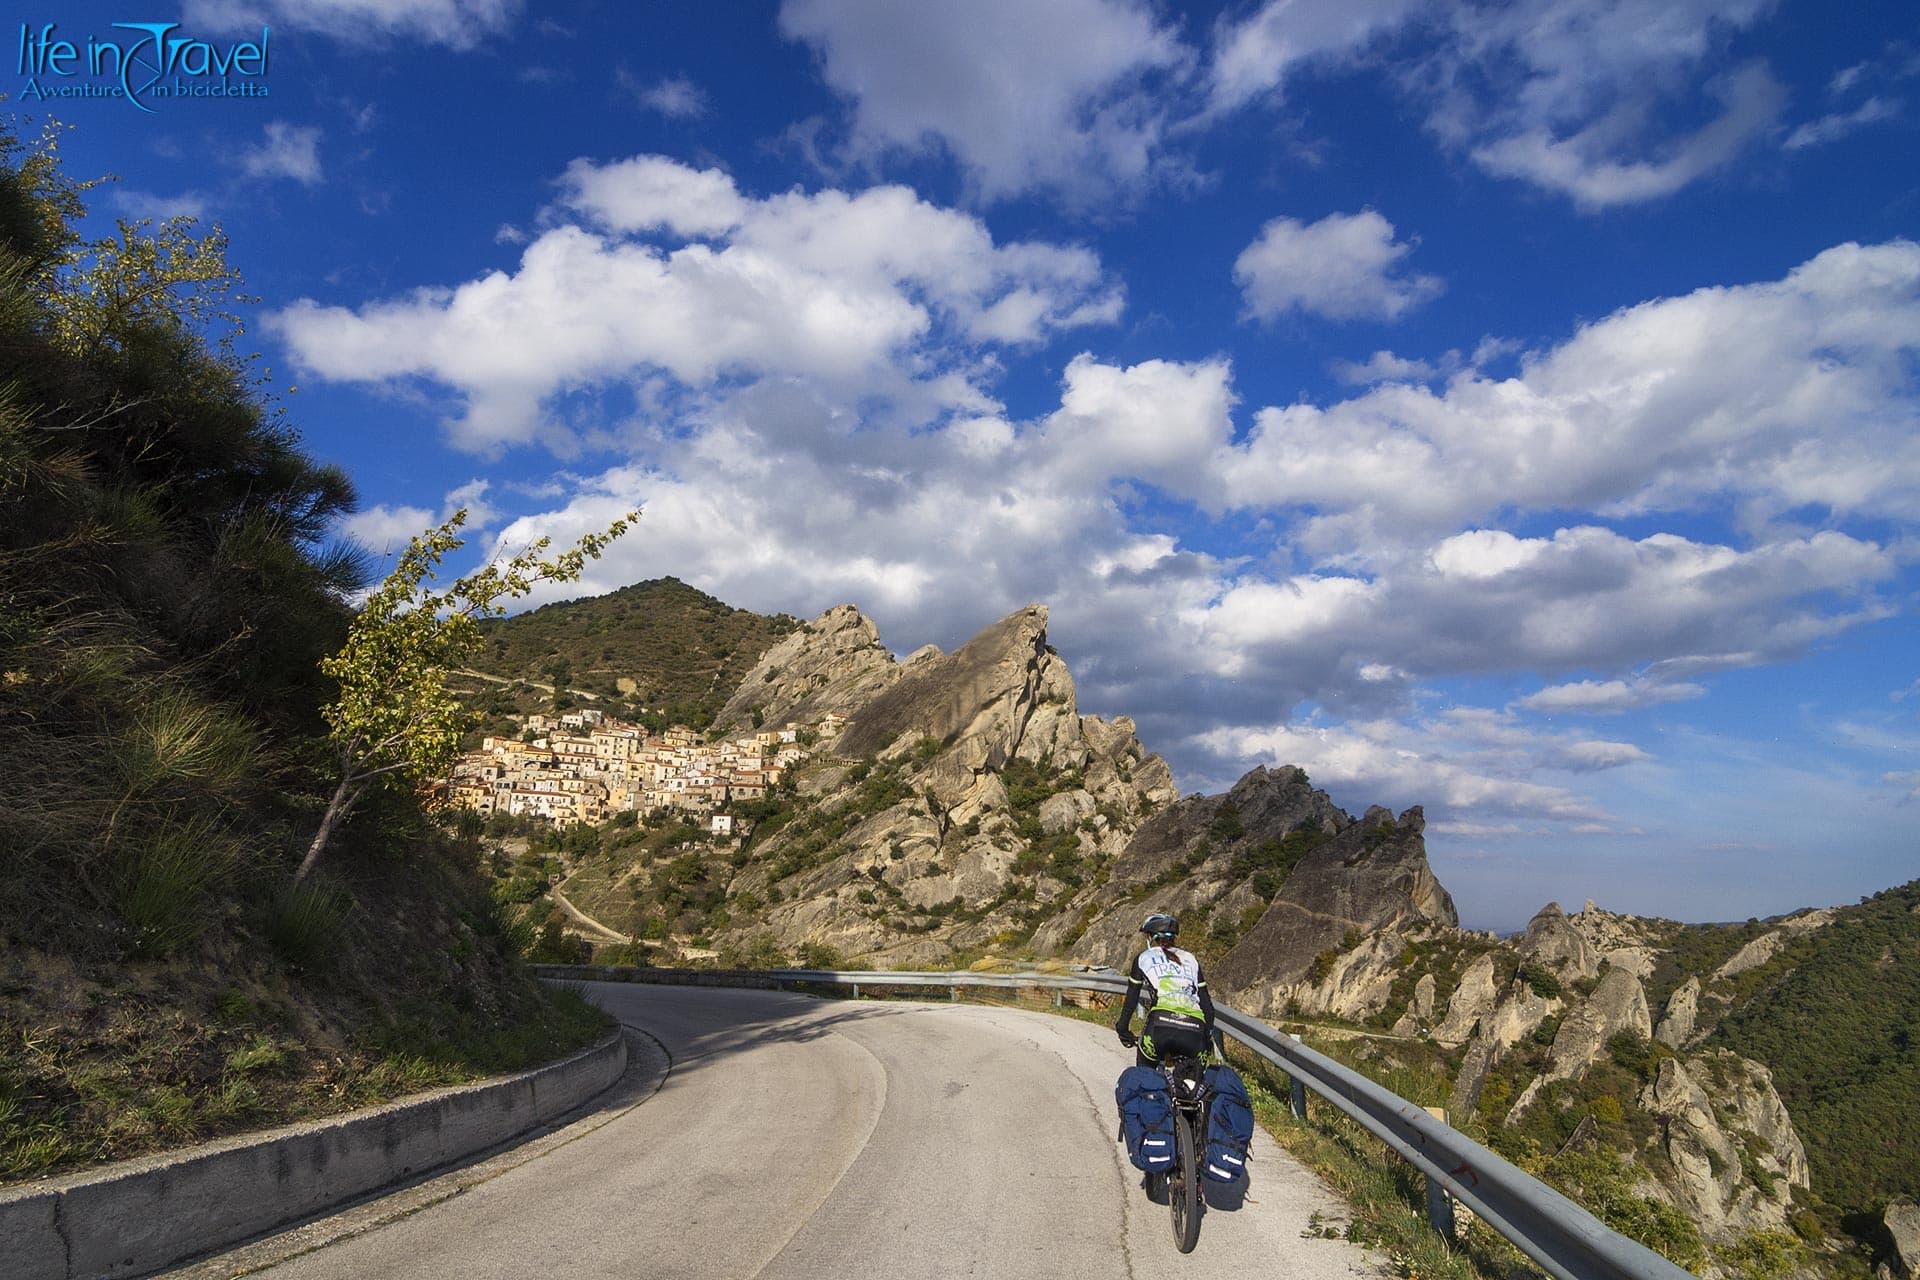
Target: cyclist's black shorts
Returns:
[1171, 1035]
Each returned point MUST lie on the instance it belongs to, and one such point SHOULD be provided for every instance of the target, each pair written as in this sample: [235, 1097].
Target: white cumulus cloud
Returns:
[1023, 96]
[1344, 267]
[870, 295]
[287, 151]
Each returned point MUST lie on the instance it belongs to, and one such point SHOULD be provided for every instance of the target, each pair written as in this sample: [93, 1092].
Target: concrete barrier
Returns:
[140, 1215]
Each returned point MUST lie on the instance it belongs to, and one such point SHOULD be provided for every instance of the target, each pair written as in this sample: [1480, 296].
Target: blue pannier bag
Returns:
[1229, 1125]
[1146, 1118]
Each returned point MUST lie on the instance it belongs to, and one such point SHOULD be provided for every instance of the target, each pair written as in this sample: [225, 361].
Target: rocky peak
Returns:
[1623, 941]
[1618, 1005]
[833, 663]
[1553, 942]
[1365, 877]
[975, 701]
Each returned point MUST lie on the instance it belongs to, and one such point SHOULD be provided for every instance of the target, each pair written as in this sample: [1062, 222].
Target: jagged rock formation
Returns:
[1716, 1141]
[1279, 876]
[1553, 942]
[1472, 1000]
[1618, 1004]
[1003, 695]
[1767, 945]
[1683, 1006]
[1621, 941]
[832, 663]
[1419, 1014]
[1370, 877]
[943, 856]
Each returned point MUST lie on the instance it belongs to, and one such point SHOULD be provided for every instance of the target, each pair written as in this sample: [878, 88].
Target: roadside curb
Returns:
[140, 1215]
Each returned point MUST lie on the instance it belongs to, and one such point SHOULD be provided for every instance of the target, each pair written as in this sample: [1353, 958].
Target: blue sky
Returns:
[1507, 408]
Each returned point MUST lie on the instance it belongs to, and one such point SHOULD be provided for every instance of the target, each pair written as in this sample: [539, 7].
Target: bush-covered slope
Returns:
[166, 591]
[1841, 1031]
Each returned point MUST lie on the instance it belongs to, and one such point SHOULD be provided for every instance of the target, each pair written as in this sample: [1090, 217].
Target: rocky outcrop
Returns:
[1356, 984]
[1472, 999]
[1519, 1013]
[1370, 877]
[1768, 945]
[1553, 942]
[951, 861]
[1683, 1007]
[833, 663]
[1621, 941]
[1752, 956]
[1618, 1005]
[976, 701]
[1721, 1122]
[1264, 805]
[1419, 1014]
[1902, 1221]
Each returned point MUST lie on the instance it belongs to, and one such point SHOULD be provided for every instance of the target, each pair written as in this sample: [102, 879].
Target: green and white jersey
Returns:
[1170, 981]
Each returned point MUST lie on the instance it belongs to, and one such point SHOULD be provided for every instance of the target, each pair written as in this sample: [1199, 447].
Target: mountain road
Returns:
[779, 1135]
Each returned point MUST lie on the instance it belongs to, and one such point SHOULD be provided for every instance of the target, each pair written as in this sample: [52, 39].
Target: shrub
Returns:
[820, 955]
[1542, 981]
[161, 879]
[303, 924]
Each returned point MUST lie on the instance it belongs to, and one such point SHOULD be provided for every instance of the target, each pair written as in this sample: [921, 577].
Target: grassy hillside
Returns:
[166, 591]
[660, 645]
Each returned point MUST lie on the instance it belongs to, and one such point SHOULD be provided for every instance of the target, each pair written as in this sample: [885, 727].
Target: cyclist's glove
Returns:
[1127, 1037]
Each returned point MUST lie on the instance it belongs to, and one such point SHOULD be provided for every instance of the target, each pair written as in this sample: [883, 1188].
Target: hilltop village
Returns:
[587, 766]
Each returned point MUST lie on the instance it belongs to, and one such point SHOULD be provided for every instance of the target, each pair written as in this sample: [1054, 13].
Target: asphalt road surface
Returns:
[762, 1134]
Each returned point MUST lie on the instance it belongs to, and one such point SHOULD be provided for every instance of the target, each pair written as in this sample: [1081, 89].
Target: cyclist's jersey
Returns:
[1169, 981]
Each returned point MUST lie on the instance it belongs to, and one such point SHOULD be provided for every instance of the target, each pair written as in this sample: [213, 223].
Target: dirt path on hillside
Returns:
[582, 918]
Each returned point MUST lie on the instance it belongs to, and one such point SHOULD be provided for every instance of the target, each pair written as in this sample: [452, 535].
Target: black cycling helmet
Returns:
[1160, 925]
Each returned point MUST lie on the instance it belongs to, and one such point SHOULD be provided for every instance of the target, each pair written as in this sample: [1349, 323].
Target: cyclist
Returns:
[1168, 983]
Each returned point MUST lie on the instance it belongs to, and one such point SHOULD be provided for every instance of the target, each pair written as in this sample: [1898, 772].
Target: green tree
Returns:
[145, 277]
[394, 714]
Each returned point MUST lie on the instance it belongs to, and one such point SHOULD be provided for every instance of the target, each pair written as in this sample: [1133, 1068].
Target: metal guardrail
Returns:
[1566, 1240]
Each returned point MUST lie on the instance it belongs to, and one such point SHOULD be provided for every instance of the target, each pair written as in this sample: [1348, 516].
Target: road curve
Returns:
[794, 1137]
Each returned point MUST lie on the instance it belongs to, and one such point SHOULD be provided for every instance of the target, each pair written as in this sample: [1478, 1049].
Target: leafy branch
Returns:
[394, 713]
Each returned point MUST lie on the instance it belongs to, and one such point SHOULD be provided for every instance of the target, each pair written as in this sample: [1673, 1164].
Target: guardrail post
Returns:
[954, 991]
[1297, 1092]
[1439, 1203]
[1058, 997]
[856, 990]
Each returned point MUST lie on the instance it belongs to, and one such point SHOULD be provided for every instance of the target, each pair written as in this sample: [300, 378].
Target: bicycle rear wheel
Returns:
[1183, 1184]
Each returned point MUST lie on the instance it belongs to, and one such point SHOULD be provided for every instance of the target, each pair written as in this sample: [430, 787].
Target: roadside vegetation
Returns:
[168, 591]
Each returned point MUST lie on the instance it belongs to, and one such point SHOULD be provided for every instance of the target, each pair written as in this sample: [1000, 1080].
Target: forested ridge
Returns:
[167, 589]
